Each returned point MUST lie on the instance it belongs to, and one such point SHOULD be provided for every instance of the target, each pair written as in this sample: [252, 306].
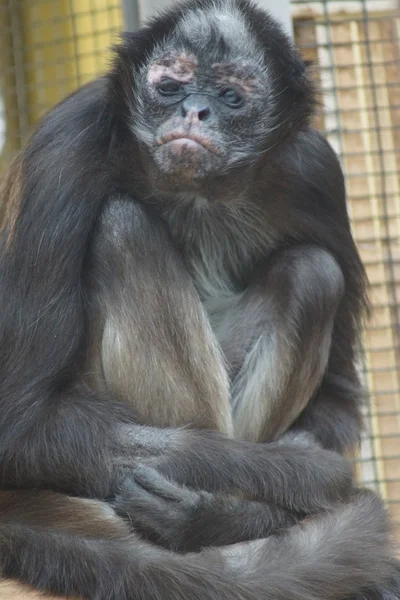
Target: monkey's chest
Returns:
[231, 327]
[222, 274]
[224, 296]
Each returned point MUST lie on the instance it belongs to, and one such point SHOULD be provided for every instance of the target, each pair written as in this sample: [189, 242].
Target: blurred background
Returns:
[50, 47]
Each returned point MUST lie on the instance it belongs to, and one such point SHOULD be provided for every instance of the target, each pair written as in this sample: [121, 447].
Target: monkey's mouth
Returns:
[188, 141]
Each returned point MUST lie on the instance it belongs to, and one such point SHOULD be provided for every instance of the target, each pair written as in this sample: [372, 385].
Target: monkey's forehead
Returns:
[221, 23]
[216, 33]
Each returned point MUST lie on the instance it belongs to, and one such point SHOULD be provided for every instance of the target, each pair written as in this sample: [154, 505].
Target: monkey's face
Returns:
[199, 120]
[218, 92]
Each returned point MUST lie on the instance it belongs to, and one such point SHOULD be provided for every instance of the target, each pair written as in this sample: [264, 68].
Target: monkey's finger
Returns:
[155, 483]
[132, 495]
[145, 512]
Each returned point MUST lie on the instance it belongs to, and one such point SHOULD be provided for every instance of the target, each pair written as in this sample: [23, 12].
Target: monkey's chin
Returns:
[186, 160]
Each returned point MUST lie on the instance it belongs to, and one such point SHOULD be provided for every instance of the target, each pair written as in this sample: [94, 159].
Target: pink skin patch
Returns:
[181, 67]
[235, 75]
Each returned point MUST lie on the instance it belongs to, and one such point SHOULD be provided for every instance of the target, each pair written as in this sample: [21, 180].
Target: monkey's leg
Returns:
[330, 557]
[277, 338]
[152, 344]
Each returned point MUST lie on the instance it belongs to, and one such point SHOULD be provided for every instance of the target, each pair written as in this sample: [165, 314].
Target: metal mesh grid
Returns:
[355, 48]
[49, 47]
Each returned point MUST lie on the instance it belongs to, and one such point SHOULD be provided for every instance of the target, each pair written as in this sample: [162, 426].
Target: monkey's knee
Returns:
[311, 289]
[314, 278]
[320, 274]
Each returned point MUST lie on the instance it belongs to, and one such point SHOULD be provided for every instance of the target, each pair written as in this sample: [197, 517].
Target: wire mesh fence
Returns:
[49, 47]
[355, 48]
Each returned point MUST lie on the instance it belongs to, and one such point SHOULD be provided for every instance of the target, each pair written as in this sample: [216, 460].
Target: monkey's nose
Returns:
[197, 107]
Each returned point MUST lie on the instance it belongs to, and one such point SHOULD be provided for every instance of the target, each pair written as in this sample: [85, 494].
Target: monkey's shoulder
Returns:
[310, 178]
[310, 160]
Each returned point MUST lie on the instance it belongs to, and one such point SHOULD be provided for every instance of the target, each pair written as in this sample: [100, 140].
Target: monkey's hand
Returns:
[186, 520]
[303, 480]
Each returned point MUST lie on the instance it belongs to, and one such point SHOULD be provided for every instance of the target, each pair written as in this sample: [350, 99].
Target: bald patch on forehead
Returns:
[199, 26]
[237, 74]
[180, 66]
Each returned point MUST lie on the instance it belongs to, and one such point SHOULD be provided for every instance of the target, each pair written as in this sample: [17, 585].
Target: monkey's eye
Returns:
[231, 97]
[169, 87]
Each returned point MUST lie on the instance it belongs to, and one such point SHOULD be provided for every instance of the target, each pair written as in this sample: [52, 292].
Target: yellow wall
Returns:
[47, 49]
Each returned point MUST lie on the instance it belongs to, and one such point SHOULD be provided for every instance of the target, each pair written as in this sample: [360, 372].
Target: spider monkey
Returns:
[180, 289]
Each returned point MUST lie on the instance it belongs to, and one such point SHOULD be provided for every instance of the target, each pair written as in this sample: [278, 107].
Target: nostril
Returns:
[204, 113]
[195, 108]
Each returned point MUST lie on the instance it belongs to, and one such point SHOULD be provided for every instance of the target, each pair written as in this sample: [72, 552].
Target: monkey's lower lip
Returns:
[178, 142]
[181, 144]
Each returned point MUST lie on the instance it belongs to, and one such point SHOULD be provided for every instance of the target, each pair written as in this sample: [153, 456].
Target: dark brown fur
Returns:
[152, 300]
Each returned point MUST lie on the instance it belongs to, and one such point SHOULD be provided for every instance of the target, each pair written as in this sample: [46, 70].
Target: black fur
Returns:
[112, 328]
